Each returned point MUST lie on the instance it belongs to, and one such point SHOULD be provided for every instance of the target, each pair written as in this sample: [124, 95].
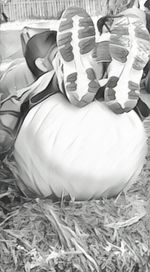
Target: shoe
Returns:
[130, 50]
[76, 42]
[14, 108]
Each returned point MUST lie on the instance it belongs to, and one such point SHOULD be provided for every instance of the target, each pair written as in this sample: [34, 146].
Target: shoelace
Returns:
[58, 68]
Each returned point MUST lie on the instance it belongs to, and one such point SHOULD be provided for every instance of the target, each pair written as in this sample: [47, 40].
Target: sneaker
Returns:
[130, 50]
[15, 107]
[76, 42]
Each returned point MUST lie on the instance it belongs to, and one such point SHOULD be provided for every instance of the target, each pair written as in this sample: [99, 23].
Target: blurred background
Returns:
[13, 10]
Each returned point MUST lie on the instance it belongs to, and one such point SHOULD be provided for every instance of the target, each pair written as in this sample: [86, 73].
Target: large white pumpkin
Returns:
[84, 152]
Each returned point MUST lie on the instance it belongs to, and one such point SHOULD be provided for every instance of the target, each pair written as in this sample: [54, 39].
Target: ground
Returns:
[38, 235]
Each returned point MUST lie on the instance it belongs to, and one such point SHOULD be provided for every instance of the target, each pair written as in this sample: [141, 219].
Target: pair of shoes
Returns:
[129, 49]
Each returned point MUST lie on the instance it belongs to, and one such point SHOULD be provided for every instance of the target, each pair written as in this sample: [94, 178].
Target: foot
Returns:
[76, 41]
[15, 107]
[130, 51]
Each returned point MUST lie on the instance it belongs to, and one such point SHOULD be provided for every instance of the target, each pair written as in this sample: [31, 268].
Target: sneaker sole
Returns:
[76, 41]
[130, 51]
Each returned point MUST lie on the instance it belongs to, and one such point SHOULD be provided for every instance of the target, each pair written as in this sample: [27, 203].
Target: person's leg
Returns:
[23, 93]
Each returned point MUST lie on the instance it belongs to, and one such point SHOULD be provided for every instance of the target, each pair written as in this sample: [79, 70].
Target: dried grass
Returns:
[103, 235]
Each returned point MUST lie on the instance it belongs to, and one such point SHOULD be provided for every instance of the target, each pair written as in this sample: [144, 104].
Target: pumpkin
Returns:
[84, 152]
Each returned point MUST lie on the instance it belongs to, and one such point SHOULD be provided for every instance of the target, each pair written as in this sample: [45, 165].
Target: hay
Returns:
[103, 235]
